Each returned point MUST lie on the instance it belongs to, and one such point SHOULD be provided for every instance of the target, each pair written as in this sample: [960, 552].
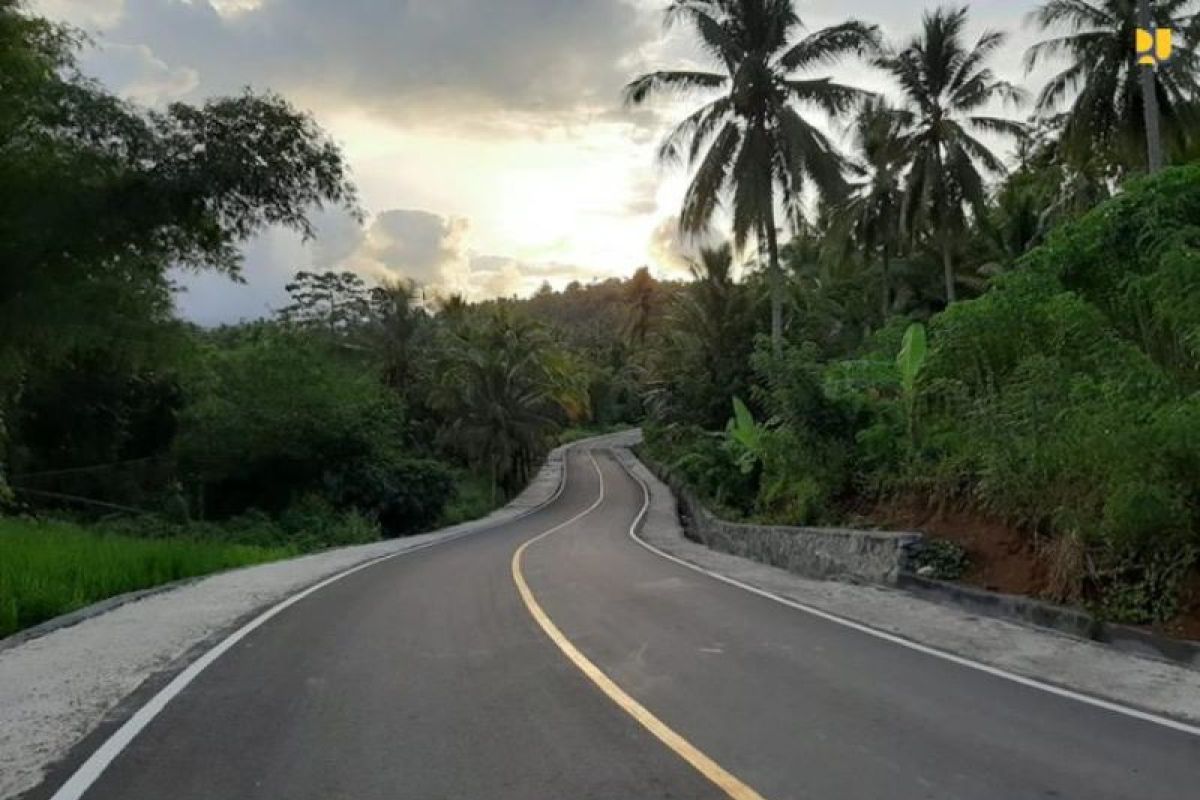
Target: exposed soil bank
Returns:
[1005, 559]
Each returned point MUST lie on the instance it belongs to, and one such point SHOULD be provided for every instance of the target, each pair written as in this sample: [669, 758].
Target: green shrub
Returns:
[1140, 516]
[704, 463]
[406, 495]
[1062, 399]
[312, 523]
[473, 499]
[941, 559]
[276, 417]
[1136, 259]
[802, 476]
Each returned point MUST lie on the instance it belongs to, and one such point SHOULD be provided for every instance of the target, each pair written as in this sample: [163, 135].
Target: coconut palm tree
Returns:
[869, 218]
[703, 359]
[395, 321]
[641, 299]
[1106, 112]
[751, 140]
[493, 387]
[947, 89]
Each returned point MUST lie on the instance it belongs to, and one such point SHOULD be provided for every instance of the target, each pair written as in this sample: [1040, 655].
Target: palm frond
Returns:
[704, 193]
[640, 90]
[690, 135]
[831, 44]
[834, 99]
[753, 188]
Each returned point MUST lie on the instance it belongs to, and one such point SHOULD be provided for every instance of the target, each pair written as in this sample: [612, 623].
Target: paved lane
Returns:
[800, 707]
[426, 677]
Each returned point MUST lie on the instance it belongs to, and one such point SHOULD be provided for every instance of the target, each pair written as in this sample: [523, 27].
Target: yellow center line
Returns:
[714, 772]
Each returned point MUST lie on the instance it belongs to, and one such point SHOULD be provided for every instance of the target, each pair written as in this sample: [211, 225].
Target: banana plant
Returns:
[910, 362]
[745, 437]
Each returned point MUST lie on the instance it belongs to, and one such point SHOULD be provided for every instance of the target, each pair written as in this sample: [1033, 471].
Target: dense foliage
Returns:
[357, 411]
[1058, 396]
[1016, 341]
[1063, 400]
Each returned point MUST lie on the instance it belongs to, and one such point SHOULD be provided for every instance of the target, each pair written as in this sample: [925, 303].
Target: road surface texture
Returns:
[589, 667]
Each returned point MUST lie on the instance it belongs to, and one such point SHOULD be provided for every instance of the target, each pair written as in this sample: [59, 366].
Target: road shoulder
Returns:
[58, 688]
[1078, 665]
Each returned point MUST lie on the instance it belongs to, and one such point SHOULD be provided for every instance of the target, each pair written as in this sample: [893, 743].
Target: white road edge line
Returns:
[962, 661]
[529, 542]
[730, 785]
[94, 766]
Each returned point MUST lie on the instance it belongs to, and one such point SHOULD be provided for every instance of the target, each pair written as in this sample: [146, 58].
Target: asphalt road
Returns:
[429, 676]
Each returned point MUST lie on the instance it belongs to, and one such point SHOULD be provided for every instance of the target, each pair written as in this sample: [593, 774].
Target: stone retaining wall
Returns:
[825, 553]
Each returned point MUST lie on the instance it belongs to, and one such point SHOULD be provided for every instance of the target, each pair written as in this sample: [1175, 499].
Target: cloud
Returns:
[414, 245]
[643, 195]
[90, 14]
[422, 61]
[497, 277]
[400, 244]
[669, 249]
[145, 78]
[434, 252]
[210, 298]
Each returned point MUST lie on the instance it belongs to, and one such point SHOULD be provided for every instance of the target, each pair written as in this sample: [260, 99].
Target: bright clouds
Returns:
[497, 126]
[436, 252]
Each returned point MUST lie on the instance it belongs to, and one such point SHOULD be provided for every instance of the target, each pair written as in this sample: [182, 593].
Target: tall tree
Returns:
[1103, 83]
[640, 298]
[332, 302]
[100, 198]
[396, 320]
[947, 89]
[497, 390]
[870, 216]
[703, 361]
[751, 141]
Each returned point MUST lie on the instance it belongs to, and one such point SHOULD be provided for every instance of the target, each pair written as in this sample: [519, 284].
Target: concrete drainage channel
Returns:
[884, 558]
[1063, 619]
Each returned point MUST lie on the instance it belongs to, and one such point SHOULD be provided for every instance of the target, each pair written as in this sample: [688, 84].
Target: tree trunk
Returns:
[948, 270]
[885, 307]
[776, 275]
[1154, 153]
[493, 476]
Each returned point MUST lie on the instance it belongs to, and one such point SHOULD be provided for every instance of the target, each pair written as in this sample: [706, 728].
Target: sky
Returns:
[487, 138]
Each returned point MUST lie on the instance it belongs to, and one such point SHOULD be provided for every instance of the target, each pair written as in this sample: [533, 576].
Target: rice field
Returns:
[51, 568]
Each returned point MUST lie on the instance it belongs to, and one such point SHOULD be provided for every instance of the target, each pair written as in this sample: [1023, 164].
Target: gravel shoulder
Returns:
[58, 687]
[1083, 666]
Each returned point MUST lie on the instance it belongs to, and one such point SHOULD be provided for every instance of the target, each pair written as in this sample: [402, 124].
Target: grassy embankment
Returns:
[49, 568]
[52, 568]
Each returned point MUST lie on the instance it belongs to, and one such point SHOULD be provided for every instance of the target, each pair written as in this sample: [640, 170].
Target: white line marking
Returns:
[727, 782]
[578, 516]
[962, 661]
[95, 765]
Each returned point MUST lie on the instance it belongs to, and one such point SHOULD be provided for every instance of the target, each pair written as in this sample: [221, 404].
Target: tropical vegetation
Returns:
[1007, 340]
[924, 303]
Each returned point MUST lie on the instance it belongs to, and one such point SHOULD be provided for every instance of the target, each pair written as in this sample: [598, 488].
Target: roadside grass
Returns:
[52, 568]
[472, 500]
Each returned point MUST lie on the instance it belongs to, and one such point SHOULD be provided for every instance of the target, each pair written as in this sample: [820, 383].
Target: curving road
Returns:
[589, 667]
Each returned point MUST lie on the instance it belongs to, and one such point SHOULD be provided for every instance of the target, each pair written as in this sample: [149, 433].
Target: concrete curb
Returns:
[872, 556]
[96, 609]
[1128, 678]
[697, 522]
[1072, 621]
